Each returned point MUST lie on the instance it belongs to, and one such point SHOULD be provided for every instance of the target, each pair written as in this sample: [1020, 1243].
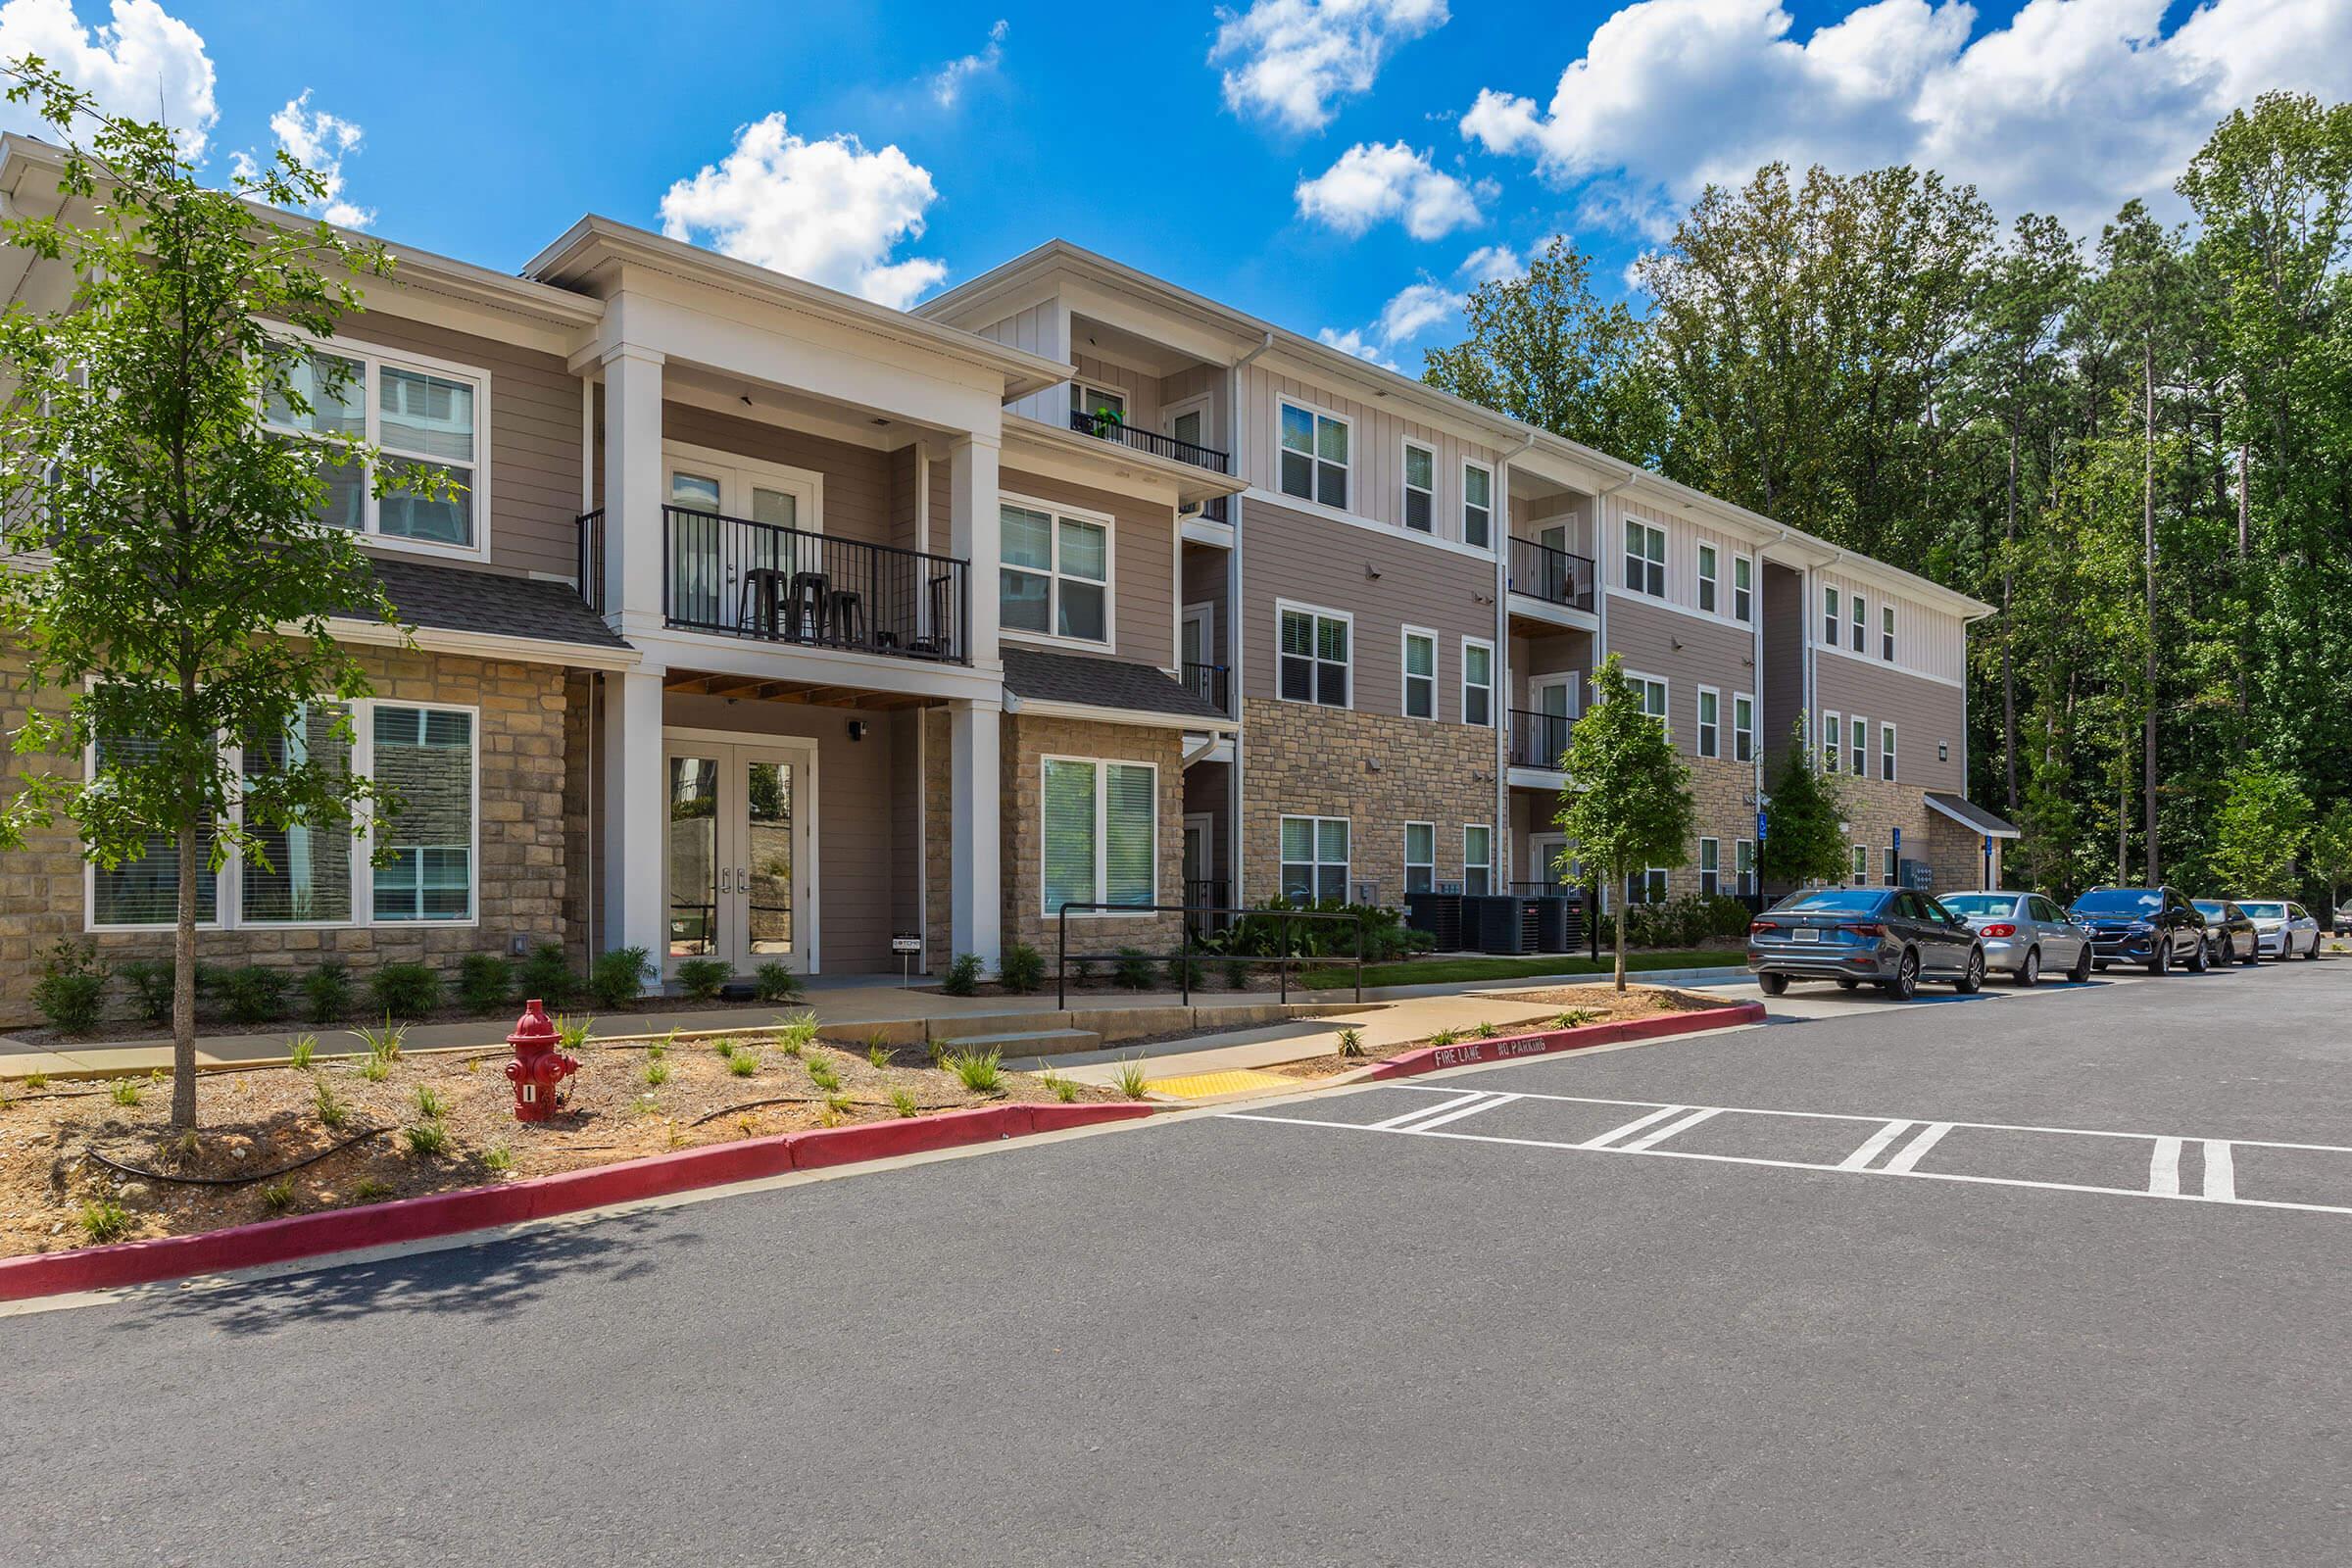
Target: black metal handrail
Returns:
[1554, 576]
[1538, 740]
[1186, 954]
[741, 578]
[1111, 428]
[1214, 510]
[590, 559]
[1211, 683]
[1207, 893]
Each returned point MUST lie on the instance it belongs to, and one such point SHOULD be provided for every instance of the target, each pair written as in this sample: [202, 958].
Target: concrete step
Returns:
[1027, 1041]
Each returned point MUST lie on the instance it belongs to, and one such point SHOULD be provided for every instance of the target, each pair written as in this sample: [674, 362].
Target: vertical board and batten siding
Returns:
[1925, 713]
[1535, 658]
[1143, 542]
[1532, 514]
[1198, 382]
[1376, 451]
[1308, 560]
[858, 500]
[1710, 655]
[1683, 536]
[1929, 641]
[1204, 584]
[1141, 390]
[1040, 329]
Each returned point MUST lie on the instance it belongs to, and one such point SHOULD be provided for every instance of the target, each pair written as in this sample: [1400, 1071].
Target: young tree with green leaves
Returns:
[1628, 802]
[1804, 820]
[2331, 851]
[2263, 826]
[176, 619]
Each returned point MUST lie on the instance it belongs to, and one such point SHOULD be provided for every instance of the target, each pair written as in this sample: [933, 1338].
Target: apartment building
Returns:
[775, 626]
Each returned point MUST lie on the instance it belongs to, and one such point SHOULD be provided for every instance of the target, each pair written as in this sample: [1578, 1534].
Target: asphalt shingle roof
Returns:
[459, 598]
[1101, 683]
[1963, 810]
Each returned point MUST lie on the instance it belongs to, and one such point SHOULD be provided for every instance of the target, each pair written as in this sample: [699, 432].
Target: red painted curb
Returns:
[413, 1219]
[1544, 1042]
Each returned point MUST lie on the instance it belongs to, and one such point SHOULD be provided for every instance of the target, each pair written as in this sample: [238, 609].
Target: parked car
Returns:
[2023, 934]
[1892, 937]
[2284, 928]
[2343, 920]
[2154, 926]
[2230, 932]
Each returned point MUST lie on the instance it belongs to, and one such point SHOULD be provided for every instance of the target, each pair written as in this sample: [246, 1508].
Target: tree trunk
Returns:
[2245, 595]
[1621, 938]
[2008, 664]
[184, 988]
[2147, 546]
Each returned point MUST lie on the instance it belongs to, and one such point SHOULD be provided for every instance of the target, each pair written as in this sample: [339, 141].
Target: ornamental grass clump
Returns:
[823, 1074]
[104, 1220]
[980, 1072]
[1130, 1079]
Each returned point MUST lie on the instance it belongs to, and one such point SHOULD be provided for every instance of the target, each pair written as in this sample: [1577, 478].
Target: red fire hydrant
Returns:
[538, 1066]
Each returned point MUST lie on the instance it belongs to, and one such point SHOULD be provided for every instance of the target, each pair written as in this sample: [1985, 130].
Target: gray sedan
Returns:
[1892, 938]
[2023, 934]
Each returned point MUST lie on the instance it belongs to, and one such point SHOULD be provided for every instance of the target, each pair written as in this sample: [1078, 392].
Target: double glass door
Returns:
[738, 865]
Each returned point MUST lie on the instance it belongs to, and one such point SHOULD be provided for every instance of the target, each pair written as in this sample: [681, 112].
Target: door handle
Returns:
[742, 880]
[723, 885]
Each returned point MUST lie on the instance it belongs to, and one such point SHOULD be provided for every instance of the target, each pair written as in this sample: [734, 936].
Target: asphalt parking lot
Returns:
[1675, 1303]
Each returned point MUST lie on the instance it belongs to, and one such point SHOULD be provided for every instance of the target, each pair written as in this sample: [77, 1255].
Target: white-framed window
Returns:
[1477, 506]
[1644, 557]
[1861, 866]
[1652, 693]
[1832, 629]
[1857, 734]
[1478, 859]
[427, 753]
[1313, 658]
[1743, 589]
[1477, 681]
[1420, 487]
[1706, 579]
[1887, 633]
[1313, 460]
[1710, 867]
[1743, 866]
[1315, 860]
[1744, 727]
[1861, 623]
[1645, 886]
[1886, 859]
[1710, 722]
[1420, 672]
[1097, 402]
[1420, 856]
[419, 413]
[1886, 752]
[1832, 751]
[1053, 580]
[1099, 832]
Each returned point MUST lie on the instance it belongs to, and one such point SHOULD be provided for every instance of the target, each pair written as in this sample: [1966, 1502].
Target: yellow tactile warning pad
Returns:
[1202, 1085]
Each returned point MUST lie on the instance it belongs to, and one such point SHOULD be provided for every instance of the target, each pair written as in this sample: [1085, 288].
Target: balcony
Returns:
[1553, 577]
[1538, 740]
[1211, 683]
[1107, 428]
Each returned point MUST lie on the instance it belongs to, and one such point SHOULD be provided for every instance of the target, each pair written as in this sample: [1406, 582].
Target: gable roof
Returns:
[1968, 815]
[466, 598]
[1086, 681]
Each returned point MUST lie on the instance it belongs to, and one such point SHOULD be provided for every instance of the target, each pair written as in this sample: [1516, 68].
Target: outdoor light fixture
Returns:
[1943, 750]
[857, 729]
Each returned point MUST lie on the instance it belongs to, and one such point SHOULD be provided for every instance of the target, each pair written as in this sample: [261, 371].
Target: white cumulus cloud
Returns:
[947, 82]
[1354, 341]
[2070, 106]
[318, 140]
[827, 211]
[1413, 309]
[1290, 60]
[1490, 263]
[1375, 181]
[142, 64]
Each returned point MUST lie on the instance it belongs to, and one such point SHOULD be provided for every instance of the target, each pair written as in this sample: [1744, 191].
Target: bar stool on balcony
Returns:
[759, 602]
[805, 618]
[844, 611]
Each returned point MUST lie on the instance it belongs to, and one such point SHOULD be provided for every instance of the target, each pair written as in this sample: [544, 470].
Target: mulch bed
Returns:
[1597, 1004]
[257, 1121]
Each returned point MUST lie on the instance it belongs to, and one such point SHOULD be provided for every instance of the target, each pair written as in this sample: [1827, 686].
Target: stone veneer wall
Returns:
[583, 831]
[1379, 770]
[520, 747]
[1025, 741]
[1722, 793]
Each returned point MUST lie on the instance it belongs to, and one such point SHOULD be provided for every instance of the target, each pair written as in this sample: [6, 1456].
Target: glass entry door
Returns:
[738, 859]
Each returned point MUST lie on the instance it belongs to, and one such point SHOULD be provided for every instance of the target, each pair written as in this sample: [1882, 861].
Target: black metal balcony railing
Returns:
[1209, 682]
[1159, 446]
[1214, 510]
[1552, 575]
[742, 578]
[591, 560]
[1539, 739]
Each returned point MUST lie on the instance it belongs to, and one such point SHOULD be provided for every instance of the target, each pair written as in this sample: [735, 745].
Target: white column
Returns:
[974, 529]
[634, 487]
[636, 815]
[977, 902]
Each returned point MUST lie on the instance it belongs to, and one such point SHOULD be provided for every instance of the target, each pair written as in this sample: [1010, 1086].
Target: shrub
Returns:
[617, 978]
[1483, 1030]
[383, 1045]
[405, 990]
[327, 993]
[278, 1197]
[254, 995]
[1183, 970]
[367, 1190]
[877, 1049]
[1441, 1038]
[772, 982]
[904, 1102]
[497, 1159]
[546, 974]
[1351, 1042]
[332, 1114]
[431, 1105]
[724, 1045]
[981, 1070]
[1686, 921]
[656, 1074]
[823, 1074]
[1237, 975]
[572, 1032]
[125, 1091]
[743, 1064]
[963, 978]
[375, 1069]
[71, 990]
[1130, 1079]
[104, 1220]
[1575, 1018]
[701, 978]
[1132, 969]
[1064, 1090]
[427, 1138]
[1024, 969]
[798, 1033]
[150, 981]
[485, 981]
[300, 1052]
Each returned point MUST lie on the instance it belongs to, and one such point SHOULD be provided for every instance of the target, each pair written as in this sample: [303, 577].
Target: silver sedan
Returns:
[2281, 928]
[2023, 934]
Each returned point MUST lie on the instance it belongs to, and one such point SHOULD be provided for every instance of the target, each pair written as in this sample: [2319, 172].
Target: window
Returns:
[1477, 682]
[1857, 732]
[1861, 877]
[1832, 632]
[1420, 856]
[1420, 673]
[1887, 752]
[418, 417]
[1314, 456]
[1054, 577]
[1652, 692]
[1861, 623]
[1886, 859]
[1645, 887]
[1315, 860]
[1743, 589]
[1312, 661]
[146, 891]
[1744, 863]
[1744, 727]
[1420, 488]
[1709, 722]
[1097, 402]
[1101, 826]
[1478, 859]
[1887, 633]
[426, 756]
[1831, 750]
[308, 872]
[1706, 579]
[1477, 506]
[1710, 867]
[1645, 559]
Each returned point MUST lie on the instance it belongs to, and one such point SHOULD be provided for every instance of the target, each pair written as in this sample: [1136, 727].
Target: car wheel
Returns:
[1971, 978]
[2029, 973]
[2228, 955]
[2201, 960]
[2161, 959]
[2313, 953]
[2253, 953]
[1905, 984]
[1844, 984]
[2080, 974]
[1772, 985]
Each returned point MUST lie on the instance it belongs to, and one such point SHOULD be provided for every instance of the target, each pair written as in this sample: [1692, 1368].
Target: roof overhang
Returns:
[1984, 822]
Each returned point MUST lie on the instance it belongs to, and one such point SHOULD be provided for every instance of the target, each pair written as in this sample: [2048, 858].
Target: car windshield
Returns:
[1968, 905]
[2120, 901]
[1836, 901]
[2265, 911]
[2211, 906]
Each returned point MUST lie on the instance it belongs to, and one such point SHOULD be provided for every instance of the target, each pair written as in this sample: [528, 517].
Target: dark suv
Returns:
[2154, 926]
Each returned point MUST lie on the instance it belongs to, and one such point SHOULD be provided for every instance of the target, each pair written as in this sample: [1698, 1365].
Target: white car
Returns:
[2283, 929]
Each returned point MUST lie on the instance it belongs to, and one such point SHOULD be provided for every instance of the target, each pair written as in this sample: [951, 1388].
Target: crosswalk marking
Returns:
[1482, 1103]
[2221, 1173]
[1634, 1126]
[1874, 1145]
[2163, 1168]
[1651, 1140]
[1397, 1122]
[1912, 1151]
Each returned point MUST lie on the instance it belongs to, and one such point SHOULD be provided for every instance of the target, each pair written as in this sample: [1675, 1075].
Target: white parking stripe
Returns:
[1874, 1145]
[1396, 1123]
[1912, 1151]
[2221, 1173]
[1635, 1126]
[2164, 1169]
[1651, 1140]
[1486, 1104]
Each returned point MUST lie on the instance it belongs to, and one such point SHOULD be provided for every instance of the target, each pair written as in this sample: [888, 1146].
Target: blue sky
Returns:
[1343, 166]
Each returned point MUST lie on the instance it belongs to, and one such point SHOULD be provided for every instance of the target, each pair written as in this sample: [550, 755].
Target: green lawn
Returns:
[1451, 971]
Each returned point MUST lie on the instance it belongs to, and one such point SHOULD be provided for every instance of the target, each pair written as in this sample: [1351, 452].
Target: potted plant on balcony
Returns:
[1108, 422]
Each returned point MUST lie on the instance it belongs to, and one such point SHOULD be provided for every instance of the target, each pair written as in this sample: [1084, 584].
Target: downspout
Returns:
[1503, 847]
[1600, 613]
[1235, 844]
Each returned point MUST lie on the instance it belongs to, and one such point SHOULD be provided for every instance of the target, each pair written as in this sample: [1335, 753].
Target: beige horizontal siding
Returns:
[1708, 655]
[1926, 714]
[1143, 542]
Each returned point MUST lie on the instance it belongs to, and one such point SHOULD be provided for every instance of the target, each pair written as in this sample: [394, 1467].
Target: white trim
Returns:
[1206, 823]
[734, 748]
[1315, 508]
[1406, 884]
[1942, 809]
[1488, 864]
[1857, 621]
[1865, 660]
[1743, 628]
[740, 473]
[1405, 676]
[1666, 699]
[1101, 766]
[1315, 851]
[1699, 739]
[1081, 384]
[1462, 518]
[1702, 579]
[1703, 870]
[1284, 399]
[1200, 403]
[1493, 674]
[1890, 748]
[1405, 446]
[1665, 560]
[1858, 733]
[1832, 610]
[1823, 744]
[1283, 606]
[1053, 574]
[1747, 731]
[1092, 712]
[1755, 587]
[483, 645]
